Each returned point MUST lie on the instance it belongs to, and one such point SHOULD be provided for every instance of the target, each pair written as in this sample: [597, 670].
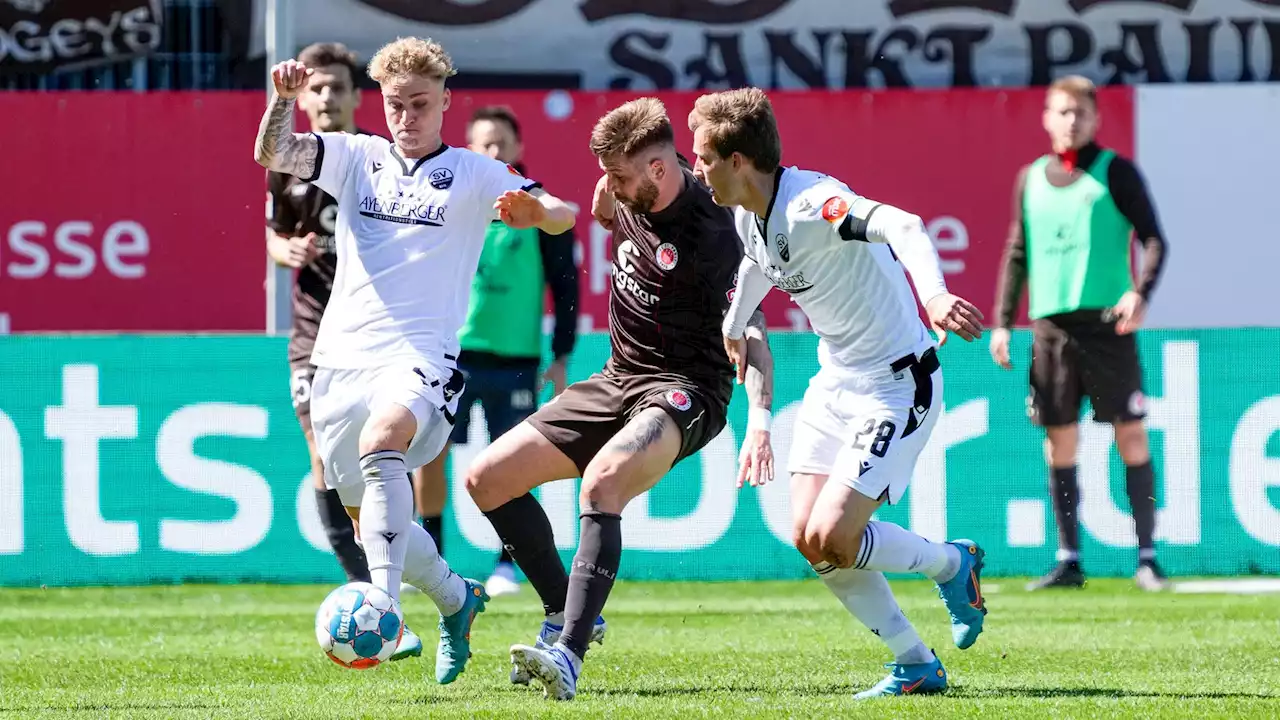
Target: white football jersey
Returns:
[855, 294]
[408, 237]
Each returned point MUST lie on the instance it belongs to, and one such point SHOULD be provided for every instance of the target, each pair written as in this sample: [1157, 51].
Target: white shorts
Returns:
[343, 400]
[867, 431]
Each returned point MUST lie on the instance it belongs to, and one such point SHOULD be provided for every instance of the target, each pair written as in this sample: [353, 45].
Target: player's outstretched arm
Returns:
[538, 208]
[277, 146]
[870, 221]
[560, 218]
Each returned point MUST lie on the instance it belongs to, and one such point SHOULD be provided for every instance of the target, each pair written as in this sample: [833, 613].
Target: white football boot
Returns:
[556, 667]
[549, 635]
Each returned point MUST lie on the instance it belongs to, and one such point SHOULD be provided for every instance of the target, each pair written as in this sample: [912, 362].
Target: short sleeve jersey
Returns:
[408, 237]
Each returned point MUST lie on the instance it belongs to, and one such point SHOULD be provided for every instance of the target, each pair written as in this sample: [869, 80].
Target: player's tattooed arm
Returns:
[755, 458]
[759, 379]
[278, 147]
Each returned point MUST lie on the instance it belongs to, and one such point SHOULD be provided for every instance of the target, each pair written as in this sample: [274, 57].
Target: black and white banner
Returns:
[41, 35]
[647, 44]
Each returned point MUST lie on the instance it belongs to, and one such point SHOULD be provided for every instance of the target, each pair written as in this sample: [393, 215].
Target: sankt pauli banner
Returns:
[640, 44]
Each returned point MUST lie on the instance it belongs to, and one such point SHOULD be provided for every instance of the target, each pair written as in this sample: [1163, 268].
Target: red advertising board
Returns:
[145, 211]
[134, 212]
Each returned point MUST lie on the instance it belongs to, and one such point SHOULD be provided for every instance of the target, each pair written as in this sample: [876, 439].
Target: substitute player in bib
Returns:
[411, 221]
[1075, 214]
[660, 397]
[871, 407]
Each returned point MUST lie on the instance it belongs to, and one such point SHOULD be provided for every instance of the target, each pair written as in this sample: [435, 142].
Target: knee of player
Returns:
[830, 545]
[808, 551]
[392, 429]
[1060, 447]
[477, 481]
[1131, 442]
[485, 484]
[601, 488]
[837, 550]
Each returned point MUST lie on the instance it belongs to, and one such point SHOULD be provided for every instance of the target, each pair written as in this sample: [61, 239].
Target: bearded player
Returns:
[661, 396]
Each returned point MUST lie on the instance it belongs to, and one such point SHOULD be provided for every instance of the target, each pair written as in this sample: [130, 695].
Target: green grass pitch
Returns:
[770, 650]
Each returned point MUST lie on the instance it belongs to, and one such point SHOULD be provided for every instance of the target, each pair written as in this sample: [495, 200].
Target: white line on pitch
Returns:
[1243, 586]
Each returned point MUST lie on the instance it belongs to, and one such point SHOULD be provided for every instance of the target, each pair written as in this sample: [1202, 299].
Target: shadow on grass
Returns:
[709, 689]
[989, 693]
[847, 691]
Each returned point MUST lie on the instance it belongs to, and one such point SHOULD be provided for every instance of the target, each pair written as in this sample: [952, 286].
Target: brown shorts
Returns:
[589, 413]
[1074, 356]
[301, 375]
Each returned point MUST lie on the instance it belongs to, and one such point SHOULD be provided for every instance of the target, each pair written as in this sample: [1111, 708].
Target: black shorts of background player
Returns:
[1084, 322]
[661, 396]
[300, 226]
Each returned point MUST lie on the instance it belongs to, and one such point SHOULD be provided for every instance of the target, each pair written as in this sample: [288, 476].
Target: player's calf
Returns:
[630, 463]
[499, 481]
[387, 511]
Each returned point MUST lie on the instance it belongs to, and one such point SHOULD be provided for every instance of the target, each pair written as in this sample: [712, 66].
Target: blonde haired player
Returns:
[412, 215]
[871, 407]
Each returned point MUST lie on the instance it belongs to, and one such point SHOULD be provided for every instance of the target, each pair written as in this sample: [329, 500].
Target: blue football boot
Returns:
[963, 595]
[455, 635]
[918, 679]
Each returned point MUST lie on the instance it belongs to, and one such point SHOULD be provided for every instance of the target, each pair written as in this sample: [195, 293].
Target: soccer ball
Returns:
[359, 625]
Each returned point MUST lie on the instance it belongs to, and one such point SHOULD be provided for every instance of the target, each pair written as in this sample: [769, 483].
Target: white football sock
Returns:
[866, 595]
[386, 515]
[427, 571]
[889, 548]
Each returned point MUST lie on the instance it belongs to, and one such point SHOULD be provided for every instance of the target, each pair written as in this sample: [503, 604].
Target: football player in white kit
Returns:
[871, 407]
[412, 216]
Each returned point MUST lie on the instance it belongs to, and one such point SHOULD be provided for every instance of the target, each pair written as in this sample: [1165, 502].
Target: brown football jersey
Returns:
[673, 277]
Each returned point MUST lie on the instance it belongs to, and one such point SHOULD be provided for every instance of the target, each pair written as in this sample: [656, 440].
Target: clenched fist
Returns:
[289, 77]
